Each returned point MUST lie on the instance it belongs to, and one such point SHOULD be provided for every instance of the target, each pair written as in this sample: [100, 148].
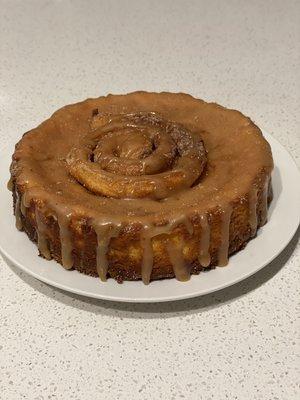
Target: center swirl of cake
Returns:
[137, 155]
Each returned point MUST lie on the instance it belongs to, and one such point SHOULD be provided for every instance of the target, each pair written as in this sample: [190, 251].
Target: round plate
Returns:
[284, 215]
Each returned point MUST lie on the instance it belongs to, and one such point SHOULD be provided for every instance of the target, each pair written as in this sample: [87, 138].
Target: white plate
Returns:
[284, 215]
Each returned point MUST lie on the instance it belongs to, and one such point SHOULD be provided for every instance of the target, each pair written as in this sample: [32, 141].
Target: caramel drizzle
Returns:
[204, 254]
[105, 232]
[10, 184]
[175, 252]
[65, 240]
[19, 224]
[147, 258]
[252, 210]
[224, 245]
[20, 208]
[42, 240]
[22, 205]
[26, 200]
[177, 261]
[264, 211]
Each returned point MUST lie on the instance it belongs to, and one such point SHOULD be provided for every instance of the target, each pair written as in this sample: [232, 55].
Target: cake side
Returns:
[125, 252]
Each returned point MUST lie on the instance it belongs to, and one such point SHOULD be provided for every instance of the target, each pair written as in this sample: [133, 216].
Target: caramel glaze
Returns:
[174, 251]
[137, 155]
[105, 232]
[252, 210]
[224, 240]
[41, 236]
[18, 213]
[204, 255]
[134, 141]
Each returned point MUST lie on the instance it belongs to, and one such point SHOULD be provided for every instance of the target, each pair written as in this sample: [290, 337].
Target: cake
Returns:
[142, 186]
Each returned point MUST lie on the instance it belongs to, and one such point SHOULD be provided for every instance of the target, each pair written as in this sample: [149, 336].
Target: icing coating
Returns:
[144, 159]
[204, 255]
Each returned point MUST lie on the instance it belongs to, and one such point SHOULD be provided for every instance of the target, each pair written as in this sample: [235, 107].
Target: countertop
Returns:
[239, 343]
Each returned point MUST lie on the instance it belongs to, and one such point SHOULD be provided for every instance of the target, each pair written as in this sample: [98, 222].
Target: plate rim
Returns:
[273, 142]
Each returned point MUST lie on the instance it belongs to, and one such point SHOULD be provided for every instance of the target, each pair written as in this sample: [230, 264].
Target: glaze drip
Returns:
[147, 256]
[204, 255]
[224, 245]
[10, 184]
[105, 232]
[22, 205]
[66, 240]
[19, 224]
[26, 200]
[149, 232]
[175, 251]
[264, 211]
[42, 240]
[252, 210]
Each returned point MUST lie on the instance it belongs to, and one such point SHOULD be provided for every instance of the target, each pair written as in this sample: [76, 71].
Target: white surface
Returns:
[239, 343]
[270, 241]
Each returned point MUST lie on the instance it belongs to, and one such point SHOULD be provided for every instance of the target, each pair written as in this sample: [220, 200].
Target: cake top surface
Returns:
[141, 155]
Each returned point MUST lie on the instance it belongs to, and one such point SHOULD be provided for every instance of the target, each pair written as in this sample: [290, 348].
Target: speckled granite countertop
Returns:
[239, 343]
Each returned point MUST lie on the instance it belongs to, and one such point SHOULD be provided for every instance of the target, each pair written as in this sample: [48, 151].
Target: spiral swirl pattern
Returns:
[137, 155]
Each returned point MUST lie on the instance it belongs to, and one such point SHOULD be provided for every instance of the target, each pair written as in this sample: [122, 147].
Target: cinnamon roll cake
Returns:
[142, 186]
